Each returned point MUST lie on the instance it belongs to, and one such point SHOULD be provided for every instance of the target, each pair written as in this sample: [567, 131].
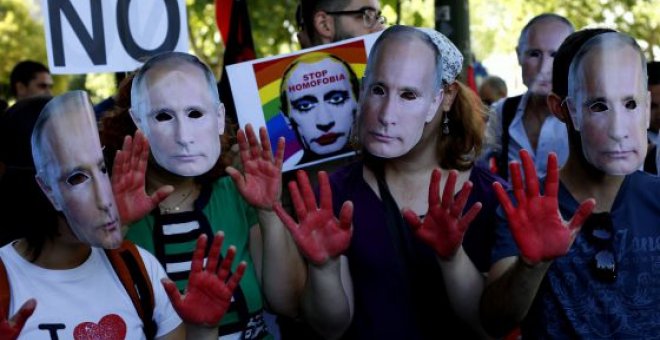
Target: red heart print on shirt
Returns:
[110, 327]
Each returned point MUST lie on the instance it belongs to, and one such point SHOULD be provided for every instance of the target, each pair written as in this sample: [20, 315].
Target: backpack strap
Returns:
[509, 108]
[649, 162]
[128, 264]
[5, 296]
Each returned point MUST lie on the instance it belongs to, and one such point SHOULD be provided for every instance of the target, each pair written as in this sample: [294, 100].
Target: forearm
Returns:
[327, 300]
[464, 285]
[194, 332]
[506, 300]
[283, 268]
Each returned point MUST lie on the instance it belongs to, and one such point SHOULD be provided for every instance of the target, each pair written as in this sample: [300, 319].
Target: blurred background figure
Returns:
[525, 121]
[326, 21]
[492, 89]
[19, 191]
[30, 78]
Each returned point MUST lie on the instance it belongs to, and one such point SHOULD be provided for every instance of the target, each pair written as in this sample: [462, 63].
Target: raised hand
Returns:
[536, 224]
[261, 184]
[319, 235]
[11, 329]
[128, 184]
[209, 292]
[443, 227]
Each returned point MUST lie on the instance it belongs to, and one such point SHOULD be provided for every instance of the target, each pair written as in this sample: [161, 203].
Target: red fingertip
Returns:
[471, 215]
[503, 198]
[582, 213]
[198, 255]
[172, 292]
[325, 191]
[434, 188]
[240, 270]
[24, 313]
[346, 215]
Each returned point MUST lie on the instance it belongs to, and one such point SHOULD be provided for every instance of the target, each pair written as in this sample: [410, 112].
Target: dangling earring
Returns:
[445, 125]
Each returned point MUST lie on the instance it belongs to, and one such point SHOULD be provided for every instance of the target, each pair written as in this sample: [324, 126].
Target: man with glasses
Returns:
[562, 272]
[325, 21]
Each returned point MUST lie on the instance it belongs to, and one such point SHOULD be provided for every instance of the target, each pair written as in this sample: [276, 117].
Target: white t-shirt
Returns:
[84, 301]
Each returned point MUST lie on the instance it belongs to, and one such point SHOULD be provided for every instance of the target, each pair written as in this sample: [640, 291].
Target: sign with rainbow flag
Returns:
[308, 97]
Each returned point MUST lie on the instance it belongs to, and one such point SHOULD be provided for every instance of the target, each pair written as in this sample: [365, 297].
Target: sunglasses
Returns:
[599, 232]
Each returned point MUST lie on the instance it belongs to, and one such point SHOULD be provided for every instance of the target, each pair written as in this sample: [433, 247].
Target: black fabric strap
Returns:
[399, 232]
[650, 165]
[509, 109]
[141, 284]
[240, 302]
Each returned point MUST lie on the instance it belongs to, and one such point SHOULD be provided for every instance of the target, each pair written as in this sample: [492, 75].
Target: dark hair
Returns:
[537, 19]
[565, 54]
[497, 84]
[19, 190]
[308, 8]
[24, 72]
[653, 70]
[311, 58]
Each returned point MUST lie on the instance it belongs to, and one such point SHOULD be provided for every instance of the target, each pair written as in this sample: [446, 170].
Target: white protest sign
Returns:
[88, 36]
[259, 86]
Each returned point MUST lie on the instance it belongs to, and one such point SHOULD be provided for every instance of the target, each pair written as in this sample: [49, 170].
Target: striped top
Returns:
[172, 238]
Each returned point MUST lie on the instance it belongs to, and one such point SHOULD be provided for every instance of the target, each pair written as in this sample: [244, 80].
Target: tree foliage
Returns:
[496, 25]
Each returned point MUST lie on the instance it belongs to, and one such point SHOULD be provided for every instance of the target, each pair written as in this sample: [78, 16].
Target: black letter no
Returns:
[126, 37]
[94, 46]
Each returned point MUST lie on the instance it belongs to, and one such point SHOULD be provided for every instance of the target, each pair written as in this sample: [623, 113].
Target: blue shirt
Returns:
[572, 302]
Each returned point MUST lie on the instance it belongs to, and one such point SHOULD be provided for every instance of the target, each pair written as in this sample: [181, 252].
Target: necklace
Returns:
[177, 206]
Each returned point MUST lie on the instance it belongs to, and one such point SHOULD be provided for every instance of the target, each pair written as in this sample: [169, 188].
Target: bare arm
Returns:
[464, 284]
[540, 233]
[278, 263]
[443, 229]
[327, 301]
[509, 293]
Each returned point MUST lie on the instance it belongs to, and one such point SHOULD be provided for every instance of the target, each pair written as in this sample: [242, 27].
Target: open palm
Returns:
[444, 226]
[319, 234]
[128, 180]
[536, 223]
[207, 287]
[261, 183]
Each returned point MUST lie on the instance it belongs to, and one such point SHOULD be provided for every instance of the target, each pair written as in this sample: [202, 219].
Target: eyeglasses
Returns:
[370, 16]
[600, 233]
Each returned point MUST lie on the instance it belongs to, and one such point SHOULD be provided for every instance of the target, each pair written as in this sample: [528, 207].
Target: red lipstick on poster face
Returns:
[328, 138]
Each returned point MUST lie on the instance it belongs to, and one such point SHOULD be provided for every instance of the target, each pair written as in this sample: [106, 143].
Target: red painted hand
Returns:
[536, 224]
[261, 184]
[207, 287]
[443, 227]
[319, 236]
[128, 172]
[11, 329]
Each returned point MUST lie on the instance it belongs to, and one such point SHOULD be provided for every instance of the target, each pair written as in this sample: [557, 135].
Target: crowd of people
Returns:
[461, 213]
